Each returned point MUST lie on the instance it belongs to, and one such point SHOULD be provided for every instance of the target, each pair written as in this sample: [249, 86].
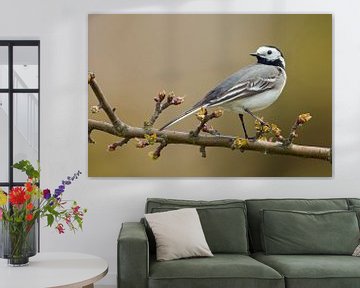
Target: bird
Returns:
[250, 89]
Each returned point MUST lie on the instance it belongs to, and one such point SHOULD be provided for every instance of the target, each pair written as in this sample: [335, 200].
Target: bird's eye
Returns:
[269, 52]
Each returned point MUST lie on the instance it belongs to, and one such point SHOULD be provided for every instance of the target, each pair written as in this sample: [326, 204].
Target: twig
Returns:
[156, 154]
[204, 117]
[263, 130]
[302, 119]
[113, 146]
[104, 104]
[209, 129]
[203, 151]
[90, 140]
[160, 106]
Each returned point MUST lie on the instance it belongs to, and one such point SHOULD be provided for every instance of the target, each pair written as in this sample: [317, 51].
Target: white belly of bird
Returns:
[253, 103]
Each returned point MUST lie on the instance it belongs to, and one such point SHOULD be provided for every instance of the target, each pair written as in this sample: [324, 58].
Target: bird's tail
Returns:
[182, 116]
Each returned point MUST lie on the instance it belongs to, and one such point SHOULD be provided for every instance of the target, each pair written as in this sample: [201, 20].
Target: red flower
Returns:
[17, 196]
[60, 228]
[29, 206]
[29, 186]
[29, 217]
[27, 196]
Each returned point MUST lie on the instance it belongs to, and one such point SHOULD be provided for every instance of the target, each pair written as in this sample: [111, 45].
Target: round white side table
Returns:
[50, 270]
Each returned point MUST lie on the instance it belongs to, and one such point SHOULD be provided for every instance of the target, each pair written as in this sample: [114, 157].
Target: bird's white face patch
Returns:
[270, 54]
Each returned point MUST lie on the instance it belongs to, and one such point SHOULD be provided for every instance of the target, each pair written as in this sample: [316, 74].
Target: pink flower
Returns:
[68, 219]
[60, 228]
[1, 213]
[76, 209]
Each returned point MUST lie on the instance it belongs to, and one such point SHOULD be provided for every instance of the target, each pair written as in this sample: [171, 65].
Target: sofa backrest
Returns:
[353, 202]
[256, 205]
[223, 221]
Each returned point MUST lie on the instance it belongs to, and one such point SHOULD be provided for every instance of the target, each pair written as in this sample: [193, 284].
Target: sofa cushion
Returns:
[313, 271]
[356, 209]
[353, 201]
[254, 217]
[178, 234]
[297, 232]
[222, 270]
[223, 221]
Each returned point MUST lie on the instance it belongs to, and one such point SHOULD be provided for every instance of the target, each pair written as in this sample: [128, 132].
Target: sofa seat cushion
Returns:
[222, 270]
[313, 271]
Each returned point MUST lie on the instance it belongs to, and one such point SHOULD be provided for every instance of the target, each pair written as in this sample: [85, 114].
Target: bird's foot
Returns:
[263, 123]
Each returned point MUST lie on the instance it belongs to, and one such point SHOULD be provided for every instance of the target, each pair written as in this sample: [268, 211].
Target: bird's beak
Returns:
[254, 54]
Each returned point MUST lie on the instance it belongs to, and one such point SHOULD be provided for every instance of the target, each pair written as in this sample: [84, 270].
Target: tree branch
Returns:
[166, 137]
[104, 104]
[175, 137]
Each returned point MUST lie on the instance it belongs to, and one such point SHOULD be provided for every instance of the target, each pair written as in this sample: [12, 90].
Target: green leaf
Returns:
[52, 211]
[26, 167]
[50, 219]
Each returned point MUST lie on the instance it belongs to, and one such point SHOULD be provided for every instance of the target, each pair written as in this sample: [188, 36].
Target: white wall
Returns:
[62, 28]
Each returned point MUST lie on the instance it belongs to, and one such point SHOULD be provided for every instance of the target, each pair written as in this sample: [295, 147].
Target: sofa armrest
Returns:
[133, 256]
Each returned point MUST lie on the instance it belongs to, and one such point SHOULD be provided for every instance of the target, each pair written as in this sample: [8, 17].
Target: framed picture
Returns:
[272, 118]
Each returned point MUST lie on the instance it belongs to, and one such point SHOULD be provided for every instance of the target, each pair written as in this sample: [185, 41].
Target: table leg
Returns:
[89, 286]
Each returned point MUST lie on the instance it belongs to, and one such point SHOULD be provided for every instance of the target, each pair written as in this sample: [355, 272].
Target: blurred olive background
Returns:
[136, 56]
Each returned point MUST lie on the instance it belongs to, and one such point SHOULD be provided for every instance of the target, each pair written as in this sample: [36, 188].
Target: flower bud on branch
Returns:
[148, 140]
[156, 154]
[203, 116]
[160, 106]
[301, 120]
[112, 147]
[239, 143]
[95, 109]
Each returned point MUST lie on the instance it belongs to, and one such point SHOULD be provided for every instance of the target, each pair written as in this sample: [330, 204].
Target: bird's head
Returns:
[269, 55]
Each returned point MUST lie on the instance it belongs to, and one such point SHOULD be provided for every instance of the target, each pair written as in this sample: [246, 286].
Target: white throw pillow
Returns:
[178, 234]
[357, 251]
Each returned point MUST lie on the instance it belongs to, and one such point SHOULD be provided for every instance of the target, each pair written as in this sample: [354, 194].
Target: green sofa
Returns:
[234, 230]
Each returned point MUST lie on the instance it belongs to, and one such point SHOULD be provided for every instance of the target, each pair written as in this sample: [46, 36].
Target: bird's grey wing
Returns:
[244, 90]
[246, 82]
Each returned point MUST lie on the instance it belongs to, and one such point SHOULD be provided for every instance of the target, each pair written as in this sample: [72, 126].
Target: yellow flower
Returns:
[303, 118]
[239, 143]
[201, 114]
[3, 198]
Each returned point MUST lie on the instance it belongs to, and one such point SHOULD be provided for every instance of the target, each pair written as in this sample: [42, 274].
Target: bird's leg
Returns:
[241, 116]
[262, 122]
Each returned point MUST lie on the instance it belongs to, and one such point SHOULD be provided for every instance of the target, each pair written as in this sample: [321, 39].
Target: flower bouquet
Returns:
[21, 208]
